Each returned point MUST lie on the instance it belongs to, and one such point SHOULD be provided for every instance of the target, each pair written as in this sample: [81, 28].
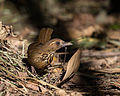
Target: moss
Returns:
[114, 26]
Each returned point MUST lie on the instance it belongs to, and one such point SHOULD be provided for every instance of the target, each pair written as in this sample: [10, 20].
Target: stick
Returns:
[99, 54]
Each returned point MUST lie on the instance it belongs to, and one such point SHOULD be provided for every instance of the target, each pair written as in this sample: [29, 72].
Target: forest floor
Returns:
[90, 67]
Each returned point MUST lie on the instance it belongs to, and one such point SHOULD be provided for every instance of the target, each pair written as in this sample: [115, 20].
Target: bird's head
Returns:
[56, 44]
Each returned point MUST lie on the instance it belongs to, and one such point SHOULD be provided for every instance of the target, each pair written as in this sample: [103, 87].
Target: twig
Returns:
[13, 75]
[10, 58]
[110, 70]
[9, 72]
[12, 85]
[13, 51]
[5, 61]
[44, 83]
[99, 54]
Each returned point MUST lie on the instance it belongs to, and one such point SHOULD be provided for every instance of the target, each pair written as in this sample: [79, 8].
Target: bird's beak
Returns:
[66, 44]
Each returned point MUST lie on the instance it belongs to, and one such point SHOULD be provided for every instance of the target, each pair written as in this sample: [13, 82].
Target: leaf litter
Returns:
[16, 78]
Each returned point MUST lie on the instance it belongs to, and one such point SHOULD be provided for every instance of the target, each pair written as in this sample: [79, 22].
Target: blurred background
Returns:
[86, 23]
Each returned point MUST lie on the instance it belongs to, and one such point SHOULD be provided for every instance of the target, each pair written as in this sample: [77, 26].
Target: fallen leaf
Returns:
[32, 86]
[22, 74]
[43, 90]
[61, 92]
[73, 65]
[114, 34]
[16, 44]
[76, 34]
[4, 31]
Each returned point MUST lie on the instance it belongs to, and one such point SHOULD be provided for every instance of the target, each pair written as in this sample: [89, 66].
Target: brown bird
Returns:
[40, 53]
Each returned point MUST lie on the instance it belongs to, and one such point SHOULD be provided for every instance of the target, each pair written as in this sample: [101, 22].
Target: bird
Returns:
[41, 53]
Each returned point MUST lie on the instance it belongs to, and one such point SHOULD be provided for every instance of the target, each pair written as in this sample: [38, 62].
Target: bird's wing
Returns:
[45, 35]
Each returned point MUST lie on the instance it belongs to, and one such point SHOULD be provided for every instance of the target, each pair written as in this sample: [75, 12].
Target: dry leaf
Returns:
[76, 34]
[110, 70]
[73, 65]
[43, 90]
[61, 92]
[15, 43]
[114, 35]
[4, 31]
[32, 86]
[22, 74]
[76, 94]
[11, 40]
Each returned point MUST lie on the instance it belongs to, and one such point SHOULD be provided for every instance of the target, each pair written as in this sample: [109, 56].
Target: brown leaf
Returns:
[2, 86]
[114, 35]
[4, 31]
[73, 65]
[32, 86]
[76, 33]
[22, 74]
[43, 90]
[61, 92]
[17, 44]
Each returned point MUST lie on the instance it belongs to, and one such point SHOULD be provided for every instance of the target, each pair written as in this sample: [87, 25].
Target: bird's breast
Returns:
[41, 59]
[47, 57]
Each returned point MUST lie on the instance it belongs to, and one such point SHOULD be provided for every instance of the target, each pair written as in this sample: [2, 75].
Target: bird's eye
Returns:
[57, 43]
